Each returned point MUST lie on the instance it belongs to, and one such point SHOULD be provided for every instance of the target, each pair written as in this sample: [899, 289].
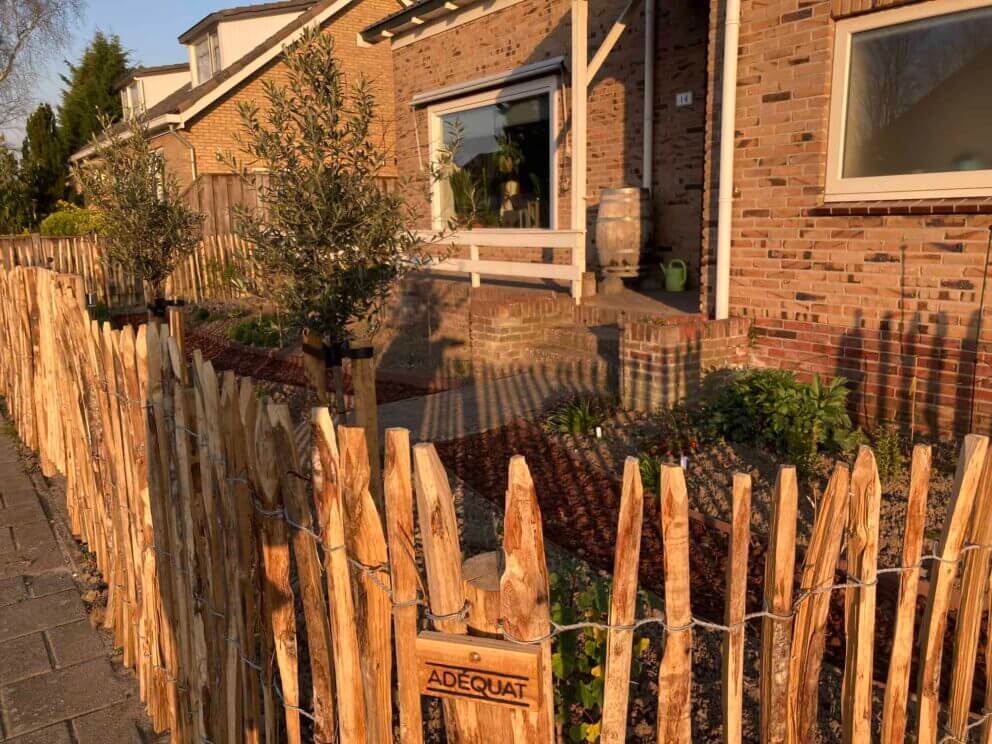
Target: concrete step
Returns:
[600, 341]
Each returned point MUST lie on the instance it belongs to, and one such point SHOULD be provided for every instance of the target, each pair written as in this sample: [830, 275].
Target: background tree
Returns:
[147, 227]
[30, 32]
[43, 162]
[89, 96]
[15, 206]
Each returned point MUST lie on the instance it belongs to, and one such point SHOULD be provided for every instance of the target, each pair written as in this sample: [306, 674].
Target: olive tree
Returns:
[329, 240]
[148, 228]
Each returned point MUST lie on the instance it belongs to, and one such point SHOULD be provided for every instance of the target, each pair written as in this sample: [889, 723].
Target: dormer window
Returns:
[132, 100]
[207, 52]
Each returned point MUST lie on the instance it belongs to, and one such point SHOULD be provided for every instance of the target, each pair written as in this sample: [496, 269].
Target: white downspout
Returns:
[580, 92]
[650, 33]
[728, 116]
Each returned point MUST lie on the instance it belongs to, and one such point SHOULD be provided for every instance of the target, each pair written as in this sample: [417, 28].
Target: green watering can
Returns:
[676, 274]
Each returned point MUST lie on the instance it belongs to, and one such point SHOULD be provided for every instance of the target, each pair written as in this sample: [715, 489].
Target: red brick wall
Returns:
[868, 292]
[661, 365]
[535, 30]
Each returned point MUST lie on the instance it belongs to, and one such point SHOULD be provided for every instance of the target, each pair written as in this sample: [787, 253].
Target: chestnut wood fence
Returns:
[206, 274]
[259, 595]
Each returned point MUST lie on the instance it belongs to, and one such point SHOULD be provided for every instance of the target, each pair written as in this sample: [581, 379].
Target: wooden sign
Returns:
[480, 670]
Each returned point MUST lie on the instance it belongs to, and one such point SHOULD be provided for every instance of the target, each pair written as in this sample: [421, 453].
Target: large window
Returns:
[911, 114]
[502, 174]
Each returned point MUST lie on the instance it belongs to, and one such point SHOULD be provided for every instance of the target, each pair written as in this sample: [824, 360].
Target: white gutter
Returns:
[161, 122]
[650, 33]
[728, 131]
[580, 92]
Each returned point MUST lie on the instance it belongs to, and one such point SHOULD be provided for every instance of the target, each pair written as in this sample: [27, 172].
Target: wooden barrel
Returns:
[623, 230]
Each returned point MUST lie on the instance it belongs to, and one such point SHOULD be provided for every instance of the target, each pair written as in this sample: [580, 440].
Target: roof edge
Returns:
[263, 9]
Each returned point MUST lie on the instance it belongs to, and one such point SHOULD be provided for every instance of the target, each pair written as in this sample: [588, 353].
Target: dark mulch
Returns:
[579, 507]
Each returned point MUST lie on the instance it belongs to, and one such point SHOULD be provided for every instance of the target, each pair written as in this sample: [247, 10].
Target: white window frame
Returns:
[212, 40]
[910, 186]
[544, 85]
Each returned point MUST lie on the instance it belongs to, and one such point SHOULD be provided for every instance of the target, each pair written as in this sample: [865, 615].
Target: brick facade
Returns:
[535, 30]
[887, 294]
[214, 130]
[662, 364]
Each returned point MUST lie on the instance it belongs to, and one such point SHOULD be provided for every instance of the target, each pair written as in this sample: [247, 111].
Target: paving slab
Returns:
[37, 614]
[51, 582]
[22, 514]
[35, 551]
[23, 657]
[12, 590]
[62, 695]
[19, 494]
[74, 643]
[121, 724]
[57, 734]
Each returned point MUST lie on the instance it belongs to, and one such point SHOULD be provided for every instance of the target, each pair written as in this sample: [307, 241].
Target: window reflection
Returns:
[501, 175]
[919, 97]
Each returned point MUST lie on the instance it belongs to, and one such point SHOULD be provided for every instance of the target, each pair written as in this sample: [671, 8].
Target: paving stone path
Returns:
[59, 683]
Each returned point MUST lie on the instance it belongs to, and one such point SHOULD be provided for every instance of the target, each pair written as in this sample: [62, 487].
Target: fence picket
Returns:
[969, 469]
[809, 633]
[736, 606]
[524, 593]
[675, 675]
[776, 631]
[398, 490]
[973, 600]
[894, 717]
[623, 605]
[344, 632]
[310, 579]
[278, 594]
[366, 543]
[859, 615]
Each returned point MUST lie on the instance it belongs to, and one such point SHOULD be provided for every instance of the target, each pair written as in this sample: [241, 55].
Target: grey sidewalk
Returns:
[58, 683]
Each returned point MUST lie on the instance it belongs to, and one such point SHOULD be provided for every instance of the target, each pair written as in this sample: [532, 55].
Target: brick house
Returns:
[829, 178]
[231, 53]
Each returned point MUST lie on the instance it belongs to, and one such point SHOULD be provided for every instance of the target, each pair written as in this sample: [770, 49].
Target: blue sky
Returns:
[148, 28]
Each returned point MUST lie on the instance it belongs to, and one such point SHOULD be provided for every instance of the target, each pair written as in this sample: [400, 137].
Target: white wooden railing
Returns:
[476, 238]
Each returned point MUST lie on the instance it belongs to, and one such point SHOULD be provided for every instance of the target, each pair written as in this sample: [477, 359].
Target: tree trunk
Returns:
[367, 411]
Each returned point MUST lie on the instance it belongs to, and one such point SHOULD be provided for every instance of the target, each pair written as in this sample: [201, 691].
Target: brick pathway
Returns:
[58, 681]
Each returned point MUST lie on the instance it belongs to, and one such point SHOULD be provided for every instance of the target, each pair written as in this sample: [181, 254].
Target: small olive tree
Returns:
[148, 229]
[329, 240]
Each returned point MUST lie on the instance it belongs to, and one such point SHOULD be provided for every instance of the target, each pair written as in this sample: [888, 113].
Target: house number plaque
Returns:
[478, 670]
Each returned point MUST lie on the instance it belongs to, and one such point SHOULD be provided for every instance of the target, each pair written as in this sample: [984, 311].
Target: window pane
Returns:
[502, 166]
[215, 46]
[203, 69]
[919, 97]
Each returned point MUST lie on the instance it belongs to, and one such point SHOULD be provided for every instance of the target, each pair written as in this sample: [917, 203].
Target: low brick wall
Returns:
[505, 330]
[662, 364]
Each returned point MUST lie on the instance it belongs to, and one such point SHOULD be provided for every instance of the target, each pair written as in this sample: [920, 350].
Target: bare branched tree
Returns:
[30, 32]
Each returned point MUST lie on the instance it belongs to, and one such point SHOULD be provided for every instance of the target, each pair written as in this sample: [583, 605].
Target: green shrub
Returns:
[774, 410]
[100, 313]
[579, 414]
[71, 221]
[890, 459]
[264, 331]
[578, 660]
[201, 315]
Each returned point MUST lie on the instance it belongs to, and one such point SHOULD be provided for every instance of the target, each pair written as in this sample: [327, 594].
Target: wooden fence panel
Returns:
[191, 491]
